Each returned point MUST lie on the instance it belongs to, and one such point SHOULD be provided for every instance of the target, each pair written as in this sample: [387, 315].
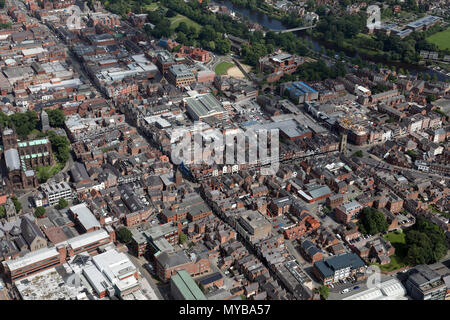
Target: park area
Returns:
[397, 239]
[441, 39]
[223, 67]
[175, 22]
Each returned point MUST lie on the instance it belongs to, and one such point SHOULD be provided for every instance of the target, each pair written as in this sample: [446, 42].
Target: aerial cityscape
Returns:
[225, 150]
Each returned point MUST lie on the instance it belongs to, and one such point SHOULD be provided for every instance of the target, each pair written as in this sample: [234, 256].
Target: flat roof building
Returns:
[425, 284]
[253, 226]
[423, 23]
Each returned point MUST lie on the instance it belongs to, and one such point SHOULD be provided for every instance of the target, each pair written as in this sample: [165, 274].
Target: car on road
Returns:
[345, 291]
[356, 288]
[149, 268]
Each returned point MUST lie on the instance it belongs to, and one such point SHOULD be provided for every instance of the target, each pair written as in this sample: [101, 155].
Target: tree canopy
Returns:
[56, 117]
[39, 212]
[60, 146]
[124, 235]
[182, 238]
[426, 243]
[324, 292]
[22, 122]
[372, 221]
[62, 203]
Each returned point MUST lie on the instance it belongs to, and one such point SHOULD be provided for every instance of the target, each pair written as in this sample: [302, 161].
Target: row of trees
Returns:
[25, 122]
[60, 146]
[425, 242]
[344, 32]
[316, 71]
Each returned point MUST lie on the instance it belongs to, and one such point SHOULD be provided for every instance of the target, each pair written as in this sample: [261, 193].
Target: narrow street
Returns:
[139, 264]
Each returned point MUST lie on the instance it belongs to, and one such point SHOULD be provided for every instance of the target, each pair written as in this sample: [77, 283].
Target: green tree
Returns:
[358, 154]
[17, 204]
[62, 203]
[2, 212]
[223, 46]
[56, 117]
[170, 13]
[24, 123]
[426, 243]
[39, 212]
[324, 292]
[124, 235]
[431, 98]
[60, 146]
[182, 238]
[372, 221]
[182, 27]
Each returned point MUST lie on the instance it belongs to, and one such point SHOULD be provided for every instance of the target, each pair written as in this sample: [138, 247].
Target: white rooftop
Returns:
[85, 216]
[31, 257]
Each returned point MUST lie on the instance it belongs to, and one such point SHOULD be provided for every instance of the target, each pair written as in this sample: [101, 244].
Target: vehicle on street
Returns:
[149, 268]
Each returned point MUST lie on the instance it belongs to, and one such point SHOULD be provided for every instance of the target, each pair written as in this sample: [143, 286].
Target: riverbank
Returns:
[351, 52]
[263, 8]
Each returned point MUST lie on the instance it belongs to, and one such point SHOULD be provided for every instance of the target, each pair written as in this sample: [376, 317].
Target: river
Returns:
[255, 16]
[276, 25]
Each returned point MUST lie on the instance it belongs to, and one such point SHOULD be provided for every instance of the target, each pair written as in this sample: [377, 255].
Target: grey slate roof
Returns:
[329, 266]
[30, 230]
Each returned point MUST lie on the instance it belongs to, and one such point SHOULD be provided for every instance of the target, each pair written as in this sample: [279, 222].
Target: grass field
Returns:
[222, 67]
[397, 239]
[441, 39]
[175, 21]
[152, 6]
[44, 173]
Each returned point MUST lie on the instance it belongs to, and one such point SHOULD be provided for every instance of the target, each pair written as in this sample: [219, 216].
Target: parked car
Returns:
[149, 268]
